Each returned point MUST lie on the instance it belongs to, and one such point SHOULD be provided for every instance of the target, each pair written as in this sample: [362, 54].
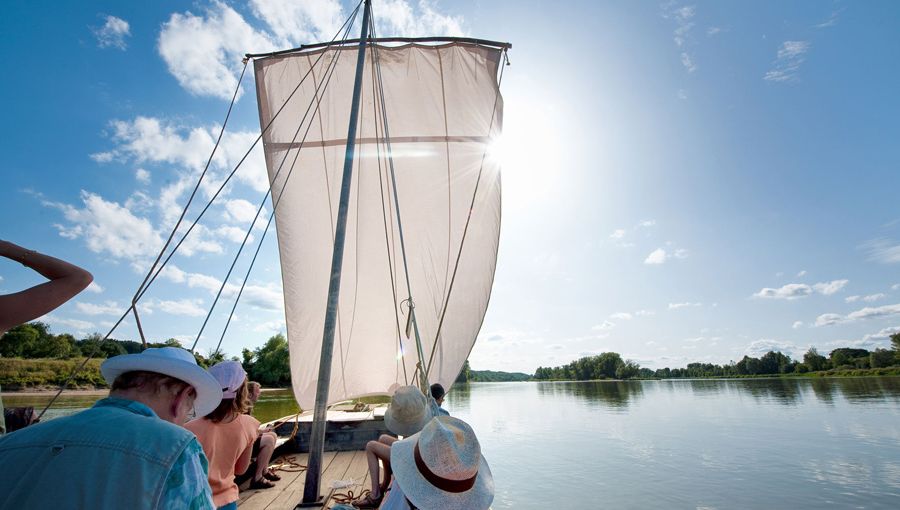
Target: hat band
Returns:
[440, 482]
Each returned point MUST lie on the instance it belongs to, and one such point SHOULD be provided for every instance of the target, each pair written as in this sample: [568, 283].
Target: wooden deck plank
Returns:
[358, 471]
[291, 494]
[261, 499]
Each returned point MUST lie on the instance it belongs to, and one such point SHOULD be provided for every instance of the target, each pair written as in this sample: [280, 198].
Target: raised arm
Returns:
[66, 280]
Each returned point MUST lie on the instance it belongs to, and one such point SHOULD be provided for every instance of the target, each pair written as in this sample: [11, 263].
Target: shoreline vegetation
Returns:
[36, 361]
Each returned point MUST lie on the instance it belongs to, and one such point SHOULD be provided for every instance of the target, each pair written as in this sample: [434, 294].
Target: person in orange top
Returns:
[227, 435]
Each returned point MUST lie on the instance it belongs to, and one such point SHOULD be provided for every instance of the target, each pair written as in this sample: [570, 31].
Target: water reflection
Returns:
[616, 395]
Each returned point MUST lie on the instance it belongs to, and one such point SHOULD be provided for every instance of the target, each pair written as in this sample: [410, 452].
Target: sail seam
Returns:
[394, 139]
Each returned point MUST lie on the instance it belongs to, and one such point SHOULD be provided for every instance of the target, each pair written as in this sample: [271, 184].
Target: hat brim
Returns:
[209, 395]
[401, 428]
[424, 495]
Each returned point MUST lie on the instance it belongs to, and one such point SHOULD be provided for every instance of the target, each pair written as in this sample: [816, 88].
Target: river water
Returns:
[692, 444]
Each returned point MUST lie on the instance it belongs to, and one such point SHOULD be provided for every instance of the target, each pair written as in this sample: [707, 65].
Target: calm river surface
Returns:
[695, 444]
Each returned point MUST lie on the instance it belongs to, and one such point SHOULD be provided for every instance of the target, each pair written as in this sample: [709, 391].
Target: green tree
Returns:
[814, 361]
[895, 341]
[608, 363]
[55, 346]
[627, 370]
[880, 358]
[272, 362]
[20, 340]
[465, 373]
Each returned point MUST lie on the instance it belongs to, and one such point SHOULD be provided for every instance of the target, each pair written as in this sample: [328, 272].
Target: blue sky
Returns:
[683, 181]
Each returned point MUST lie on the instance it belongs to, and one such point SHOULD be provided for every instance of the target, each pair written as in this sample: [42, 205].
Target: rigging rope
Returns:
[328, 74]
[145, 285]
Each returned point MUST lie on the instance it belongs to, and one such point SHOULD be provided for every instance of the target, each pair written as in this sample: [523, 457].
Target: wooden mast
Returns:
[311, 496]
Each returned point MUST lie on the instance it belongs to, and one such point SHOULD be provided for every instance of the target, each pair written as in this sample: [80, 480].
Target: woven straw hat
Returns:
[442, 467]
[409, 411]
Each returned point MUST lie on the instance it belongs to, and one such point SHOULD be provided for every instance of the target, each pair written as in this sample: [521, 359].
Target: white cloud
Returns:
[399, 17]
[107, 227]
[789, 291]
[619, 233]
[103, 157]
[801, 273]
[621, 315]
[829, 288]
[646, 224]
[883, 250]
[831, 21]
[113, 33]
[683, 16]
[787, 64]
[271, 327]
[797, 324]
[188, 307]
[263, 297]
[688, 62]
[142, 176]
[711, 31]
[873, 297]
[657, 256]
[204, 53]
[829, 319]
[852, 299]
[294, 23]
[643, 313]
[884, 334]
[676, 306]
[107, 308]
[233, 234]
[760, 347]
[239, 211]
[604, 326]
[81, 327]
[895, 286]
[94, 287]
[799, 290]
[681, 253]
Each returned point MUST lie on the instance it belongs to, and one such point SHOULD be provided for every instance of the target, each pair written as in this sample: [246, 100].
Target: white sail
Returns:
[443, 109]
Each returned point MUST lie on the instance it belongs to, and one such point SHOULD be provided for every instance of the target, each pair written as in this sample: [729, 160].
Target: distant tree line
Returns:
[610, 365]
[269, 364]
[467, 375]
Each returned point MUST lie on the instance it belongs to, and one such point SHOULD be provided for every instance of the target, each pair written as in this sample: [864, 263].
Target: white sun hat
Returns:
[174, 362]
[409, 411]
[442, 467]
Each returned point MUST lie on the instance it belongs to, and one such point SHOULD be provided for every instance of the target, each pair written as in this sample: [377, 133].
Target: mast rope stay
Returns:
[379, 85]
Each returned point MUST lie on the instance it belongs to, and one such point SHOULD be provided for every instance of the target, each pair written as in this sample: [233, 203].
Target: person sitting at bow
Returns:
[408, 413]
[227, 435]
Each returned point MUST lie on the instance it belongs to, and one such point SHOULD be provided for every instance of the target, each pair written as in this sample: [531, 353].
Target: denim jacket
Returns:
[116, 454]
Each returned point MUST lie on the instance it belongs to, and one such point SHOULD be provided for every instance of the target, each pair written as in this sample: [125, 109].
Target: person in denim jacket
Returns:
[127, 451]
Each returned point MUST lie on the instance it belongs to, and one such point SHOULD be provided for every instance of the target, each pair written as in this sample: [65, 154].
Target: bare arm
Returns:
[243, 462]
[66, 280]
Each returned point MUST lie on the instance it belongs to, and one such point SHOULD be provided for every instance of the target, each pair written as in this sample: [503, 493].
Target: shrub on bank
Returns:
[17, 374]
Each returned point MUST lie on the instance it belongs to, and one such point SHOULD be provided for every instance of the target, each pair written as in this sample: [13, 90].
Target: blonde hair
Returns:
[230, 407]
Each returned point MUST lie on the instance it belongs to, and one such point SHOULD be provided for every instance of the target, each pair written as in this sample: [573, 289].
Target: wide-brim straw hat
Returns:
[442, 467]
[173, 362]
[409, 411]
